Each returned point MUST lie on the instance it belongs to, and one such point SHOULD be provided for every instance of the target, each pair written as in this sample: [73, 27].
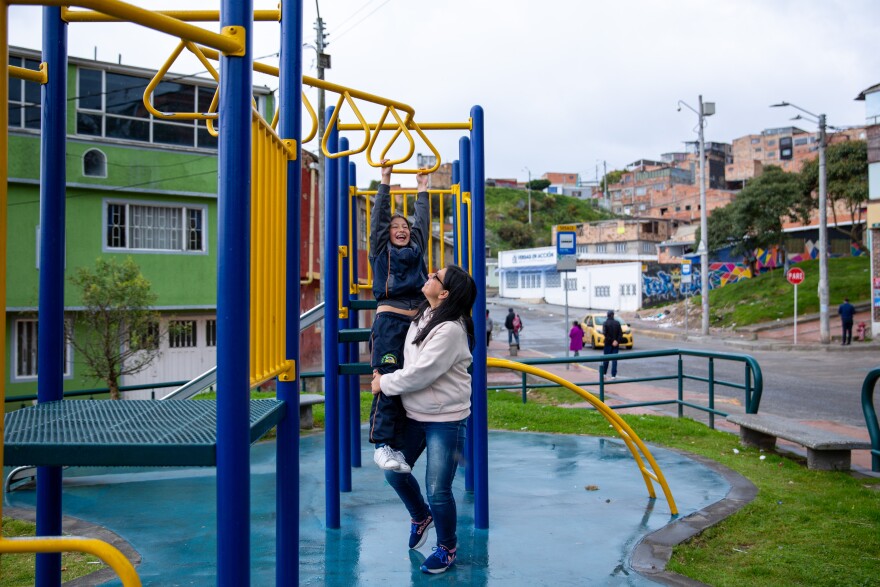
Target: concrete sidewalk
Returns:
[620, 391]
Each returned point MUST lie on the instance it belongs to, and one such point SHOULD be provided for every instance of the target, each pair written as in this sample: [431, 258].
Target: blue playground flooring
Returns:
[546, 528]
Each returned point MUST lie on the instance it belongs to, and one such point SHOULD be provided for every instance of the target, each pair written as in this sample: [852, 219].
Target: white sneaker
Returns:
[385, 458]
[402, 467]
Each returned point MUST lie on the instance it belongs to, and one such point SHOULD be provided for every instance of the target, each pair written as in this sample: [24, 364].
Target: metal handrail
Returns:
[753, 384]
[871, 415]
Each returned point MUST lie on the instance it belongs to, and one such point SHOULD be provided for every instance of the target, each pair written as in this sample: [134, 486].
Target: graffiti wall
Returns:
[661, 283]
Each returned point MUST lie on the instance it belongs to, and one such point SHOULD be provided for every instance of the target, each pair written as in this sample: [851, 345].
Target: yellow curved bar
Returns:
[227, 43]
[313, 116]
[628, 435]
[345, 97]
[31, 75]
[157, 79]
[401, 127]
[68, 15]
[357, 94]
[106, 552]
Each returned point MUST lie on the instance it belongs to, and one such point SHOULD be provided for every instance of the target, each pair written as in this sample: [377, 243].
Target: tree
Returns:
[120, 331]
[755, 218]
[846, 173]
[611, 177]
[539, 184]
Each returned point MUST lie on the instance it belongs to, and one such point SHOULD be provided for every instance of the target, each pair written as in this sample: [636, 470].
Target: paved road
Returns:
[808, 384]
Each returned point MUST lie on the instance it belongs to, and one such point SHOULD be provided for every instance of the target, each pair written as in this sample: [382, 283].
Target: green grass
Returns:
[507, 217]
[769, 296]
[805, 527]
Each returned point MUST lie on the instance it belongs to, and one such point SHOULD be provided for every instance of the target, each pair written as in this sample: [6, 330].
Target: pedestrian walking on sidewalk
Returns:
[512, 330]
[847, 312]
[613, 334]
[576, 338]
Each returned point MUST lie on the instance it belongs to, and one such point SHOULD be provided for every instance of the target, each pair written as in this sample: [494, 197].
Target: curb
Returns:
[651, 555]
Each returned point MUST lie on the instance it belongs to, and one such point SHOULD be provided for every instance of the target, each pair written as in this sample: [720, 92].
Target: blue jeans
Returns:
[445, 444]
[610, 350]
[511, 334]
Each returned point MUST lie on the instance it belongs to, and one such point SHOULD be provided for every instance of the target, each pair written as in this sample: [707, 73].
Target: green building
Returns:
[136, 186]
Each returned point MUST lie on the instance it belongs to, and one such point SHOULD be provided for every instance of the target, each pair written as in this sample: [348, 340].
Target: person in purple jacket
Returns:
[434, 387]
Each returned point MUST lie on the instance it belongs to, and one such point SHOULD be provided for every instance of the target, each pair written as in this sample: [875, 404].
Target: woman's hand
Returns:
[374, 385]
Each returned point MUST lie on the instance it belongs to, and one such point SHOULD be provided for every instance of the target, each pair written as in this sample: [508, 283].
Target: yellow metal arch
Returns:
[632, 440]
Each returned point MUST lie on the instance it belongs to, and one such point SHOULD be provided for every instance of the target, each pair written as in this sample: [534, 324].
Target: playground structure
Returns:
[258, 268]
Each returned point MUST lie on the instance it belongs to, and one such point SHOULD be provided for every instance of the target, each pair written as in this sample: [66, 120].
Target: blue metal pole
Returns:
[456, 250]
[464, 158]
[479, 398]
[287, 442]
[331, 331]
[354, 322]
[50, 328]
[456, 258]
[233, 303]
[344, 347]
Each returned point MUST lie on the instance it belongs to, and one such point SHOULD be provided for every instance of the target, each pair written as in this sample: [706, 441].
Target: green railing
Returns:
[752, 382]
[871, 415]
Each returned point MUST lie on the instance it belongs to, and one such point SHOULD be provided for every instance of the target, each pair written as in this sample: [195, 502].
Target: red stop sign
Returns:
[795, 275]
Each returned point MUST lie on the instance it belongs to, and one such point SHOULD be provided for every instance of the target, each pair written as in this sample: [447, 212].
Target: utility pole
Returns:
[529, 187]
[705, 109]
[322, 60]
[824, 332]
[703, 248]
[605, 184]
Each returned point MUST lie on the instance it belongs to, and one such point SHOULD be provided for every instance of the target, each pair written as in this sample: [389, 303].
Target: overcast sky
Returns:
[565, 84]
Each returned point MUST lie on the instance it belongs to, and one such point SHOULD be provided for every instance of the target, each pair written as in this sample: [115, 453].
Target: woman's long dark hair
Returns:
[457, 305]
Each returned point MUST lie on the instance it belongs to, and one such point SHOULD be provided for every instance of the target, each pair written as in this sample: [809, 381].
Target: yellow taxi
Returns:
[592, 327]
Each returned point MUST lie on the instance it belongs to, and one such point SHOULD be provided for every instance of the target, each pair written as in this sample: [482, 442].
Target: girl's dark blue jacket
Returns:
[399, 272]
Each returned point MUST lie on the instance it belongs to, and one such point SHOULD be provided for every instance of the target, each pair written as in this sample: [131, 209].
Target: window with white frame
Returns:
[182, 334]
[627, 289]
[648, 247]
[619, 247]
[601, 248]
[552, 279]
[511, 280]
[582, 249]
[602, 291]
[571, 283]
[155, 227]
[530, 280]
[25, 349]
[24, 97]
[110, 105]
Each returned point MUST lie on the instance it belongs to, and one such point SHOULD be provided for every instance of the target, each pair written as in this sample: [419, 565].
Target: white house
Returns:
[532, 274]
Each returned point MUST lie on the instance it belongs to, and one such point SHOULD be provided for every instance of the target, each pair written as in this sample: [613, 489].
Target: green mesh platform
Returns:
[124, 433]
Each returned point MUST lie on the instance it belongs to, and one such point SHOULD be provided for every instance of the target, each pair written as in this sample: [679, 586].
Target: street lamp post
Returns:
[529, 187]
[824, 331]
[706, 109]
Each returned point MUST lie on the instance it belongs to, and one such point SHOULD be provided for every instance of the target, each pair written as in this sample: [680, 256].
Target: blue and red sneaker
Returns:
[440, 560]
[418, 531]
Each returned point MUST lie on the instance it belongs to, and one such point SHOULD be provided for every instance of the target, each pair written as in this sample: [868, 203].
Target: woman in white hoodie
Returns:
[435, 389]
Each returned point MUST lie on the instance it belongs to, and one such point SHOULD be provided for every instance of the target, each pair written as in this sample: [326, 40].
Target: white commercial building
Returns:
[532, 274]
